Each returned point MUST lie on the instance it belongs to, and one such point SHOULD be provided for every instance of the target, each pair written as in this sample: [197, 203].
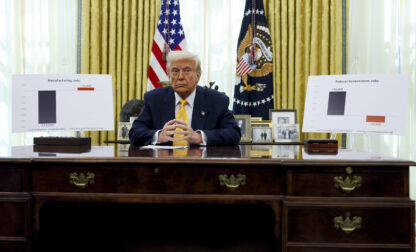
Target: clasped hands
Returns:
[169, 129]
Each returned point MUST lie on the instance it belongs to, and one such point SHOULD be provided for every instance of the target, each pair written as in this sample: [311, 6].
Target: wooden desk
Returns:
[347, 202]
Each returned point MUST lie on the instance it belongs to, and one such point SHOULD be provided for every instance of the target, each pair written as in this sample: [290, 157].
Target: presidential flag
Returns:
[253, 91]
[169, 35]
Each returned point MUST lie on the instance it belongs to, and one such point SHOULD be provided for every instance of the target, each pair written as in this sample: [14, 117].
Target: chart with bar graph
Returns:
[44, 102]
[356, 104]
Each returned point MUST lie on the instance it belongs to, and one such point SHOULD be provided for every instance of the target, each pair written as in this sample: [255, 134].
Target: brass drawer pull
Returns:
[347, 225]
[81, 181]
[348, 185]
[232, 182]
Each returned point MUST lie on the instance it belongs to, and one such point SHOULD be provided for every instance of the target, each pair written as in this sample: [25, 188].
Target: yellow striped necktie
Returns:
[181, 115]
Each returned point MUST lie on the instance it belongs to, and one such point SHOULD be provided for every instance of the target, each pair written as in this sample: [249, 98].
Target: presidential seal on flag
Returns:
[253, 92]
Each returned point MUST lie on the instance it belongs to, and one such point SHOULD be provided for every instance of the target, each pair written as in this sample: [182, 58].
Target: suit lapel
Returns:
[199, 114]
[168, 113]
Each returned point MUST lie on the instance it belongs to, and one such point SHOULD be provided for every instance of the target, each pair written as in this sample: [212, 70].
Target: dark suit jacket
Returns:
[210, 114]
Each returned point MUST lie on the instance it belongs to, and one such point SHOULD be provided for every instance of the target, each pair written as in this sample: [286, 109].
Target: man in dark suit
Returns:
[185, 113]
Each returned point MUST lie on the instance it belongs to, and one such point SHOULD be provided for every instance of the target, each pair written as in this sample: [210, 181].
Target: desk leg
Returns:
[277, 206]
[37, 204]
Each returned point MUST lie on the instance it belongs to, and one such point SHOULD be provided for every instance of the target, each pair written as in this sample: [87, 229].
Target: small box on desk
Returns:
[73, 149]
[62, 141]
[321, 146]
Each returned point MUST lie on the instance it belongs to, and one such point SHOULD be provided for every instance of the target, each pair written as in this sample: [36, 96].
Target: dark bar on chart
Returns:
[47, 106]
[336, 103]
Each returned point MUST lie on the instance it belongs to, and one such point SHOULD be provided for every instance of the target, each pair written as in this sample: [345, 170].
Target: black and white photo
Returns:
[123, 130]
[262, 133]
[244, 122]
[281, 117]
[288, 133]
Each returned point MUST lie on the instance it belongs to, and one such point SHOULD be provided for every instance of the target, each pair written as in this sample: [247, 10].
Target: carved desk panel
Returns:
[320, 203]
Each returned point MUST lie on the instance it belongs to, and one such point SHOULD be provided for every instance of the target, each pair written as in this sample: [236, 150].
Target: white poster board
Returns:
[356, 104]
[76, 102]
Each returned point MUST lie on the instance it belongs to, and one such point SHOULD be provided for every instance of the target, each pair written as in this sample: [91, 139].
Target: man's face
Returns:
[183, 77]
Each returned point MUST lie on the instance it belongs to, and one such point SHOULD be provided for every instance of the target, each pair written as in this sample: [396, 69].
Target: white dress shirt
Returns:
[189, 107]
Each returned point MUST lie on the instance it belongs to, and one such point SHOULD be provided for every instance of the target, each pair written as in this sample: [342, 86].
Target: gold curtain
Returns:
[116, 39]
[307, 40]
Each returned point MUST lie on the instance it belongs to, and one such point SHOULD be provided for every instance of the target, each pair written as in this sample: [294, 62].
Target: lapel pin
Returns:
[203, 113]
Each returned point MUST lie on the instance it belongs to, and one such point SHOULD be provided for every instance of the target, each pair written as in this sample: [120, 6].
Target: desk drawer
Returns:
[348, 181]
[12, 218]
[160, 178]
[11, 179]
[349, 223]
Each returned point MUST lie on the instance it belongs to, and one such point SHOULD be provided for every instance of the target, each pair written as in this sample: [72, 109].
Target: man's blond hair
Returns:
[181, 55]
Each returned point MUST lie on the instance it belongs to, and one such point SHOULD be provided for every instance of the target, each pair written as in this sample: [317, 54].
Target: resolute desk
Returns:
[242, 198]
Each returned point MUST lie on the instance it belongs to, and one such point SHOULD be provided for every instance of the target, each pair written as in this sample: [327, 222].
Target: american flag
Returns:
[169, 35]
[243, 66]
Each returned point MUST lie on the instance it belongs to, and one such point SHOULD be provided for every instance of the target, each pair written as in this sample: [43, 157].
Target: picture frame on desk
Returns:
[262, 132]
[123, 130]
[287, 133]
[244, 122]
[281, 116]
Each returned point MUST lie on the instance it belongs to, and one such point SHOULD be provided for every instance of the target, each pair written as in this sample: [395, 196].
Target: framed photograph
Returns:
[123, 130]
[288, 133]
[262, 132]
[281, 116]
[244, 122]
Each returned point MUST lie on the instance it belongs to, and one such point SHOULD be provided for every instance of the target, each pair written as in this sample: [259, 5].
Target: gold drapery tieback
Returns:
[181, 115]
